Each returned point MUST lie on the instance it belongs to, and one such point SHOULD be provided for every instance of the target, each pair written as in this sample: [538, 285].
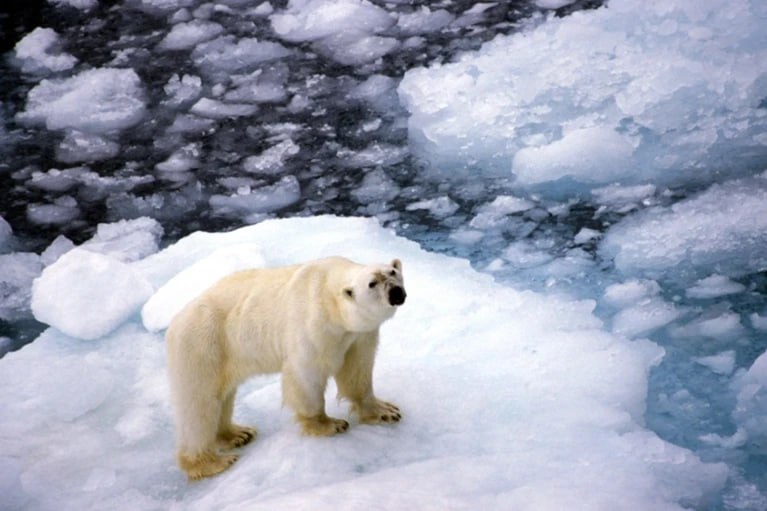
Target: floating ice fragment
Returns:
[272, 160]
[6, 235]
[494, 214]
[630, 292]
[423, 20]
[182, 90]
[715, 286]
[261, 86]
[524, 254]
[39, 52]
[184, 36]
[83, 5]
[95, 101]
[183, 159]
[341, 30]
[62, 211]
[190, 124]
[310, 20]
[376, 186]
[722, 363]
[79, 147]
[722, 230]
[54, 180]
[758, 321]
[553, 4]
[266, 199]
[377, 154]
[355, 48]
[164, 5]
[87, 295]
[17, 271]
[617, 196]
[373, 88]
[441, 207]
[213, 109]
[723, 326]
[585, 235]
[644, 317]
[226, 55]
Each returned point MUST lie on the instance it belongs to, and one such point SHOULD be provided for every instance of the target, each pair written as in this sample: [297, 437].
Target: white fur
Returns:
[309, 321]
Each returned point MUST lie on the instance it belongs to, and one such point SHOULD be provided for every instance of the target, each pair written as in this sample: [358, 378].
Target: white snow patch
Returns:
[567, 400]
[87, 295]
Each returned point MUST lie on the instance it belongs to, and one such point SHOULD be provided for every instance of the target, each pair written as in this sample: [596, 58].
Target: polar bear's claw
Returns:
[236, 437]
[378, 412]
[322, 425]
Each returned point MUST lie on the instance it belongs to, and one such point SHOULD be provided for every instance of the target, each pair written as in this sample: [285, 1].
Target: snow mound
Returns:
[629, 93]
[515, 390]
[87, 295]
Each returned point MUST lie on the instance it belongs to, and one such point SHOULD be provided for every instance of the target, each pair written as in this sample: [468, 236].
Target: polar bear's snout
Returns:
[397, 296]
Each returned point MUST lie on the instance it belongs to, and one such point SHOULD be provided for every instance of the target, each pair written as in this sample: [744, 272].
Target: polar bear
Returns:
[309, 321]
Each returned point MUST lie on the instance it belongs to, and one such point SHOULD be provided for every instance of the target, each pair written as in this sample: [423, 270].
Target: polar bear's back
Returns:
[255, 316]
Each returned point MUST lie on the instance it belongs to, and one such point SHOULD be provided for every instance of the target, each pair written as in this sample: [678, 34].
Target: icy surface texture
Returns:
[70, 294]
[96, 101]
[343, 30]
[723, 229]
[38, 53]
[612, 155]
[659, 93]
[542, 393]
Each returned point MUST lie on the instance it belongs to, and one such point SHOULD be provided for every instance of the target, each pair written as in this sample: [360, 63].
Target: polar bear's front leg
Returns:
[303, 389]
[355, 383]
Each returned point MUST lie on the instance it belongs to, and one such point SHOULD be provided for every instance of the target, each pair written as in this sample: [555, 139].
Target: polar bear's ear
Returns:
[397, 264]
[349, 292]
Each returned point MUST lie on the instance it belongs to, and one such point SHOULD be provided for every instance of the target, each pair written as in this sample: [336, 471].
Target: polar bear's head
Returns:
[373, 296]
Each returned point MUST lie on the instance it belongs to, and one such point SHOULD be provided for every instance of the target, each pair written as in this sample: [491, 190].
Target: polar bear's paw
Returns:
[322, 425]
[378, 412]
[206, 464]
[236, 436]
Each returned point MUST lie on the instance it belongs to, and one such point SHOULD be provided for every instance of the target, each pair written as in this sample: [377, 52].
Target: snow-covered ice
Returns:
[613, 155]
[524, 401]
[668, 93]
[724, 228]
[87, 295]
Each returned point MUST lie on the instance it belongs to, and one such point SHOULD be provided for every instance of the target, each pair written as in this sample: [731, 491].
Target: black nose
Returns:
[397, 296]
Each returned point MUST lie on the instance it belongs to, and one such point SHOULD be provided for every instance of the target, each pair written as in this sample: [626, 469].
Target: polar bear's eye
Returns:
[372, 284]
[393, 273]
